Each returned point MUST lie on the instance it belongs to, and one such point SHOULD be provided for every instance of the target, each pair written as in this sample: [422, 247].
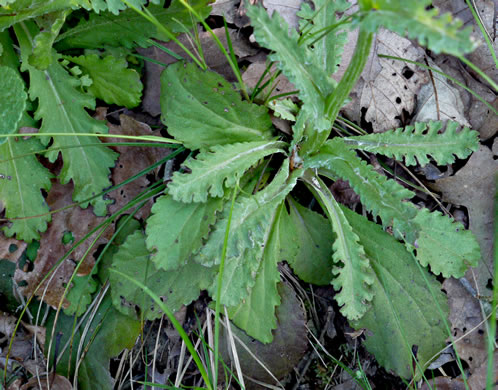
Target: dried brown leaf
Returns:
[78, 222]
[387, 88]
[473, 186]
[132, 160]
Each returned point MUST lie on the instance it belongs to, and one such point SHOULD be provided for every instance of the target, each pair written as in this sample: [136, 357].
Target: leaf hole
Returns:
[407, 73]
[398, 100]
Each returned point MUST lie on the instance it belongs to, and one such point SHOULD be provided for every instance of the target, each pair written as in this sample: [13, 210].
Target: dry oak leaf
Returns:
[73, 221]
[387, 89]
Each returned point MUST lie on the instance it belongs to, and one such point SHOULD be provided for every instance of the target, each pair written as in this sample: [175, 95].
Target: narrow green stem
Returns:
[335, 100]
[218, 291]
[479, 72]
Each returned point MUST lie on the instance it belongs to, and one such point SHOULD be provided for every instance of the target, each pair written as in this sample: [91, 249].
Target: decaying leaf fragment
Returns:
[73, 222]
[387, 88]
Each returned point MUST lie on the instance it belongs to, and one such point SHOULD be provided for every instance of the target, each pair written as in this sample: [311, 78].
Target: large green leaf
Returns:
[250, 231]
[128, 27]
[414, 143]
[296, 61]
[383, 197]
[13, 98]
[61, 106]
[114, 6]
[404, 314]
[112, 80]
[177, 287]
[108, 333]
[219, 168]
[20, 10]
[353, 274]
[256, 313]
[445, 245]
[414, 20]
[318, 27]
[176, 230]
[202, 109]
[21, 183]
[306, 239]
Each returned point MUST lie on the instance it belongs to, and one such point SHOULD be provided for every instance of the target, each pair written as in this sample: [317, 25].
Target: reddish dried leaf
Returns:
[74, 220]
[132, 160]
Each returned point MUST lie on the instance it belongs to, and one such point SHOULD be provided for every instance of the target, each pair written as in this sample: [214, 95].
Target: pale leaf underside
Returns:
[219, 168]
[418, 143]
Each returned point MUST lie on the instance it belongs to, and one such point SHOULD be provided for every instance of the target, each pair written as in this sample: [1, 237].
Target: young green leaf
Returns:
[219, 168]
[128, 27]
[403, 312]
[297, 62]
[61, 106]
[445, 245]
[202, 109]
[50, 26]
[13, 98]
[353, 274]
[178, 288]
[113, 81]
[256, 313]
[306, 237]
[188, 225]
[328, 42]
[413, 19]
[21, 184]
[250, 231]
[415, 143]
[380, 195]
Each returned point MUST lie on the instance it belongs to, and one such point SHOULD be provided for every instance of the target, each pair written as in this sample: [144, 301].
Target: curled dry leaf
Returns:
[73, 222]
[387, 88]
[132, 159]
[53, 382]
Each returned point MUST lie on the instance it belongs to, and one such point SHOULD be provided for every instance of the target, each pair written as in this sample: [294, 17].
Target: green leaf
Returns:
[21, 185]
[128, 27]
[412, 19]
[256, 313]
[113, 82]
[318, 22]
[179, 287]
[219, 168]
[108, 333]
[250, 231]
[50, 26]
[80, 295]
[202, 109]
[353, 274]
[20, 10]
[445, 245]
[382, 196]
[61, 106]
[297, 62]
[187, 226]
[417, 142]
[306, 239]
[13, 98]
[403, 312]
